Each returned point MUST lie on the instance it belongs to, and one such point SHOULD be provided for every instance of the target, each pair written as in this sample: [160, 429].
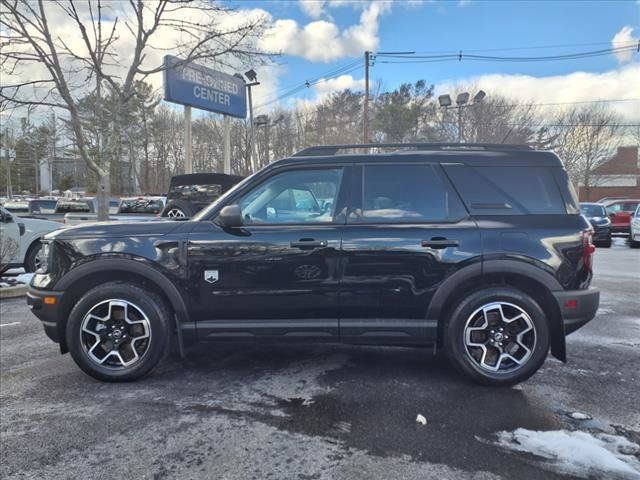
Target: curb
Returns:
[13, 292]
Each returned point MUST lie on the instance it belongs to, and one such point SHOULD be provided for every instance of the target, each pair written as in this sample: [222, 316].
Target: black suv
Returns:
[191, 192]
[478, 250]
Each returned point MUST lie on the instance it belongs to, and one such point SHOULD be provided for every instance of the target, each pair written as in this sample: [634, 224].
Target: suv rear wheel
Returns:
[497, 336]
[118, 332]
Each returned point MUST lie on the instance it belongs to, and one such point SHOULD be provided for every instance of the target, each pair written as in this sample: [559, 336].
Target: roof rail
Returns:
[322, 150]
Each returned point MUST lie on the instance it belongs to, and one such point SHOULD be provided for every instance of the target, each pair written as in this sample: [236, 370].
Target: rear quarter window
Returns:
[507, 190]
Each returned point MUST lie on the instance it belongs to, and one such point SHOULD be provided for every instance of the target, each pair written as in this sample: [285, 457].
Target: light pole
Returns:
[462, 101]
[252, 77]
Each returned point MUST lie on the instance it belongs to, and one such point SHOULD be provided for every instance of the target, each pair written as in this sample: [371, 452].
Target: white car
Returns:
[20, 240]
[634, 238]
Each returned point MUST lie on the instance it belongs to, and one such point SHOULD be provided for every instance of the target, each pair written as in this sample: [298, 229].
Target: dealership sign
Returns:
[204, 88]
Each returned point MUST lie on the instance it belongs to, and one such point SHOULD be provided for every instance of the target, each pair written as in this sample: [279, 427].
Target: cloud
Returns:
[624, 38]
[321, 40]
[313, 8]
[327, 86]
[621, 83]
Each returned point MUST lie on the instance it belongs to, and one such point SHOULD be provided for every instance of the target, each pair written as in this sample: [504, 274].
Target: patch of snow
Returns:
[14, 271]
[24, 278]
[577, 453]
[579, 416]
[421, 420]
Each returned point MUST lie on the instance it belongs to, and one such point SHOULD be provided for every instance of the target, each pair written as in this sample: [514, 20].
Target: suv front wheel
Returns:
[119, 332]
[497, 336]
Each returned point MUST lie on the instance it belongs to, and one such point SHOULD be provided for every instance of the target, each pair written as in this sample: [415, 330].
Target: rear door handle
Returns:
[440, 243]
[309, 243]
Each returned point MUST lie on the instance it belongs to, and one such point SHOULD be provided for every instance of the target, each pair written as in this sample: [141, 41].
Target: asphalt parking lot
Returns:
[329, 412]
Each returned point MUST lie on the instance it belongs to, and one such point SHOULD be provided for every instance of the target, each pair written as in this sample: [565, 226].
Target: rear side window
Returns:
[405, 194]
[507, 190]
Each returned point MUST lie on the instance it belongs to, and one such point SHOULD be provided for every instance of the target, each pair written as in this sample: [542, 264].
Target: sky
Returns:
[322, 42]
[314, 38]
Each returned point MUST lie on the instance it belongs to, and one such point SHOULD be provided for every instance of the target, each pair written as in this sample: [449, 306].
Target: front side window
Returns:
[293, 197]
[405, 194]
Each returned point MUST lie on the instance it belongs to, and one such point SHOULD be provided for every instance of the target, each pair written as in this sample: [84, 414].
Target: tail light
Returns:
[588, 248]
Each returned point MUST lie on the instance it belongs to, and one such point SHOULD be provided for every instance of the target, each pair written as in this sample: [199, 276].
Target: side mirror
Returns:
[6, 218]
[230, 216]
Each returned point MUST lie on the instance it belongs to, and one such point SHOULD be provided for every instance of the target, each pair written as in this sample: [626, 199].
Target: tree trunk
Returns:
[103, 196]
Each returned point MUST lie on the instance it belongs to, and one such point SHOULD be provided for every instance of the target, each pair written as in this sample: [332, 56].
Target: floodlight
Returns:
[444, 100]
[462, 99]
[251, 75]
[479, 96]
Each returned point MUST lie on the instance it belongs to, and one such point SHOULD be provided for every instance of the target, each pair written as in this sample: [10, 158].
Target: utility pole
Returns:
[459, 124]
[188, 154]
[365, 113]
[226, 128]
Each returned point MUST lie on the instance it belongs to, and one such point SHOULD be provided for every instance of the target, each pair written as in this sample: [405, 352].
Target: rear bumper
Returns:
[47, 313]
[578, 307]
[620, 227]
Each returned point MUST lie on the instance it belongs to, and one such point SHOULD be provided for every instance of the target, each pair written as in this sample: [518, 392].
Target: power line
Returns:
[460, 55]
[536, 47]
[308, 84]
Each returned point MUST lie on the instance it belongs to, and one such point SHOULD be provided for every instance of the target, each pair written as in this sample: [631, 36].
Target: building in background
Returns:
[617, 177]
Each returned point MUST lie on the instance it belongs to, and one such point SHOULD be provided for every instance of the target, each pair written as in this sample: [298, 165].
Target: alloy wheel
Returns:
[115, 333]
[499, 337]
[175, 213]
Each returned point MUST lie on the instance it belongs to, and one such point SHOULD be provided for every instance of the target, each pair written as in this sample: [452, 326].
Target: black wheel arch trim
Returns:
[438, 304]
[128, 265]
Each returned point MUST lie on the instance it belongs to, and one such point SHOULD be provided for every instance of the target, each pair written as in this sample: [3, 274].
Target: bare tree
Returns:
[65, 67]
[585, 137]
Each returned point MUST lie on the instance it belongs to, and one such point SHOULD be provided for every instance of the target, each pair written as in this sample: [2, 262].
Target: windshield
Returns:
[592, 211]
[221, 199]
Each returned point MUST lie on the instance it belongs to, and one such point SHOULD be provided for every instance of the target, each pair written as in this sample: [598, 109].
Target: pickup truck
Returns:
[25, 233]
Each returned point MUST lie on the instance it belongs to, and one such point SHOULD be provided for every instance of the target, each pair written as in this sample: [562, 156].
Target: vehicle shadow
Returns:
[369, 400]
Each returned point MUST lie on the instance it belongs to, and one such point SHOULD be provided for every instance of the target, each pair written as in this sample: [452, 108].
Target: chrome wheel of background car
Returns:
[175, 213]
[499, 337]
[115, 333]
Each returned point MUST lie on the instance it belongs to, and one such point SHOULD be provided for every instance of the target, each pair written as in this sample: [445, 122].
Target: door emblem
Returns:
[211, 276]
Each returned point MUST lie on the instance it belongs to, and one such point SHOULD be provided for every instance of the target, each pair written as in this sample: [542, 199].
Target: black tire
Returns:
[605, 244]
[159, 324]
[634, 244]
[30, 258]
[458, 352]
[182, 206]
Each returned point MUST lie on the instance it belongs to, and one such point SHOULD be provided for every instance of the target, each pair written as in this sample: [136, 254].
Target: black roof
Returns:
[205, 179]
[472, 154]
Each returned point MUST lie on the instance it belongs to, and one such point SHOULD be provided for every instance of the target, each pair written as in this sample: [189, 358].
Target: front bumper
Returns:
[578, 307]
[47, 313]
[601, 234]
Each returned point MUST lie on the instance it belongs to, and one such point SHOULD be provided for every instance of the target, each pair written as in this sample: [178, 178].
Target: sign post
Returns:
[188, 152]
[201, 87]
[226, 124]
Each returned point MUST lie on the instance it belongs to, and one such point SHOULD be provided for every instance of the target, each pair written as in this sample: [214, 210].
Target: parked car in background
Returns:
[190, 193]
[134, 209]
[26, 233]
[620, 212]
[478, 250]
[597, 216]
[634, 237]
[149, 205]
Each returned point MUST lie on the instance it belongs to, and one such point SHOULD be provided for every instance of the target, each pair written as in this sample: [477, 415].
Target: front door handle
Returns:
[439, 243]
[309, 243]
